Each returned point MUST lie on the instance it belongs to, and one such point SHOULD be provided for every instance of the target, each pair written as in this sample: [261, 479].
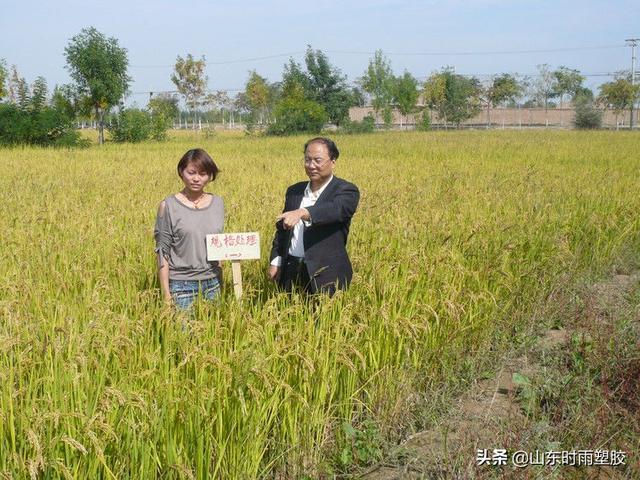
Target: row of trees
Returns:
[308, 96]
[453, 97]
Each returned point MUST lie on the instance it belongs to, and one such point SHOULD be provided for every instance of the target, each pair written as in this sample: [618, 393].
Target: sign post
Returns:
[235, 247]
[236, 270]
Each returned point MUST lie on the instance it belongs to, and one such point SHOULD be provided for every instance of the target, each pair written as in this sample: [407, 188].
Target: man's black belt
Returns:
[295, 260]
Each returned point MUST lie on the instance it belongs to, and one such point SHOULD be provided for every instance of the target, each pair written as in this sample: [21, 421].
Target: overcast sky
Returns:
[478, 37]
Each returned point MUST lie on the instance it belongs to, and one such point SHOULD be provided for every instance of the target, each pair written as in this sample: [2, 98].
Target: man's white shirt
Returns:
[296, 248]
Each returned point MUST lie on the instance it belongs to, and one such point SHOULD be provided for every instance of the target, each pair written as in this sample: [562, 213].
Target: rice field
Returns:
[458, 235]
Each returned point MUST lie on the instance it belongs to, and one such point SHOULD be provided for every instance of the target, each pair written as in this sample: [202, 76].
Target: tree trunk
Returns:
[546, 113]
[488, 115]
[100, 118]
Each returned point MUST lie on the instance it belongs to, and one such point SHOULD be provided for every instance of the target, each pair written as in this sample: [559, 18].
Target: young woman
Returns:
[182, 222]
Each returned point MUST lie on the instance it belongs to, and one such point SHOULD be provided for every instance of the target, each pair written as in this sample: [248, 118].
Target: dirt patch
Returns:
[491, 414]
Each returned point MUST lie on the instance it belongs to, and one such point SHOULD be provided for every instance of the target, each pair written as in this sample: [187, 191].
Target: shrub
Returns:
[297, 115]
[46, 126]
[366, 125]
[424, 123]
[160, 123]
[131, 125]
[251, 125]
[136, 125]
[588, 116]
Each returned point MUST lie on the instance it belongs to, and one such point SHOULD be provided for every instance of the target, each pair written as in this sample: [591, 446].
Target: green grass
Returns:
[457, 235]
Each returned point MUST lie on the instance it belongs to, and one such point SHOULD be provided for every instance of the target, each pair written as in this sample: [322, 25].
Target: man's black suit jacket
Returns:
[325, 240]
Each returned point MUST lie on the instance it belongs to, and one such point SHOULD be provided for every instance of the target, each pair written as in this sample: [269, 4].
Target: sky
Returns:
[476, 37]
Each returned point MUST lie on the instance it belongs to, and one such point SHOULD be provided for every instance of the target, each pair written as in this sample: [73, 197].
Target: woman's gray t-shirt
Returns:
[180, 237]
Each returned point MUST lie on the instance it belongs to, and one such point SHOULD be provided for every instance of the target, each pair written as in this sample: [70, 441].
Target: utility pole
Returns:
[632, 42]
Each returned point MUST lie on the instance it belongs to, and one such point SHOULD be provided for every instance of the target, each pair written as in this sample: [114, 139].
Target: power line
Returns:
[495, 52]
[347, 52]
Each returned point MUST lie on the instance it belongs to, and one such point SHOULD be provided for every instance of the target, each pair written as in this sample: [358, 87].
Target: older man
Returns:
[309, 248]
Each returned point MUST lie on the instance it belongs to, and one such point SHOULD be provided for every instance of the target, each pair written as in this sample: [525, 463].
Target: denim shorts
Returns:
[185, 292]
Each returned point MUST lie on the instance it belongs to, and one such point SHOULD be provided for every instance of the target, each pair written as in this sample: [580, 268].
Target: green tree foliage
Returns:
[357, 97]
[190, 79]
[366, 125]
[295, 110]
[584, 93]
[321, 82]
[502, 88]
[434, 92]
[67, 99]
[165, 105]
[456, 98]
[32, 121]
[379, 82]
[258, 97]
[135, 125]
[424, 123]
[567, 82]
[38, 94]
[327, 86]
[98, 65]
[619, 94]
[296, 114]
[295, 81]
[406, 94]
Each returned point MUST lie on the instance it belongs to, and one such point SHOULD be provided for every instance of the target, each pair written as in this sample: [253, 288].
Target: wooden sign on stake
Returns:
[235, 247]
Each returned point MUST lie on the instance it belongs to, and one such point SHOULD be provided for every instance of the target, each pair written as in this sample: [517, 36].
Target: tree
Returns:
[32, 121]
[39, 94]
[503, 88]
[584, 93]
[378, 81]
[165, 105]
[98, 65]
[135, 125]
[619, 95]
[294, 111]
[406, 94]
[17, 89]
[258, 96]
[456, 98]
[567, 82]
[66, 99]
[220, 99]
[357, 97]
[545, 87]
[327, 86]
[3, 78]
[297, 114]
[295, 81]
[434, 92]
[190, 79]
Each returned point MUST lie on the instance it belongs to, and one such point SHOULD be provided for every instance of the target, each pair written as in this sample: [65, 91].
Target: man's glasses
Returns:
[316, 162]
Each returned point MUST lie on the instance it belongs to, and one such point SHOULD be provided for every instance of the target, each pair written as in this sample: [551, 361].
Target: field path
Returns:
[490, 415]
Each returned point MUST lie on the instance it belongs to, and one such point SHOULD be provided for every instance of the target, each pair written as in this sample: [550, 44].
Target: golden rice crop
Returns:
[457, 235]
